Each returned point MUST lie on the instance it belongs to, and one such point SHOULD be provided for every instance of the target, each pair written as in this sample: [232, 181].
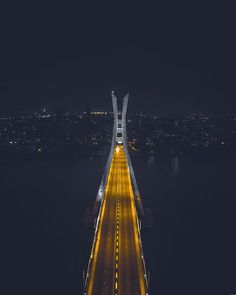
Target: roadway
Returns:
[116, 264]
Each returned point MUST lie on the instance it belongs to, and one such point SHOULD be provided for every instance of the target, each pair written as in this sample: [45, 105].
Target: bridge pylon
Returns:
[119, 137]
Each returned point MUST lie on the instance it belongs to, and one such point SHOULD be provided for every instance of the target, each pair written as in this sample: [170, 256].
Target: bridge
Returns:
[116, 264]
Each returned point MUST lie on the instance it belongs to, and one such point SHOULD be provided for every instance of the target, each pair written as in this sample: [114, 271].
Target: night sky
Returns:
[171, 56]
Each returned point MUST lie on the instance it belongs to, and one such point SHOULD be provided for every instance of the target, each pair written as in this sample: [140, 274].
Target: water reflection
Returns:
[150, 160]
[175, 165]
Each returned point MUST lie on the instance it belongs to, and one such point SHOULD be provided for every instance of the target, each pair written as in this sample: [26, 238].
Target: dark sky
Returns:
[172, 56]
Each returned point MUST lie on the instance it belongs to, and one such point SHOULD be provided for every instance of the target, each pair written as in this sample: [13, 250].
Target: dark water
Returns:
[191, 250]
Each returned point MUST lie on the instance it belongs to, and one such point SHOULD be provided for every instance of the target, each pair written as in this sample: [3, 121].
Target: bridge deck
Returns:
[116, 266]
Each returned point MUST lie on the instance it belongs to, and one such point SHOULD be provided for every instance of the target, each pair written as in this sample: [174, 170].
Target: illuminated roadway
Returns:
[116, 264]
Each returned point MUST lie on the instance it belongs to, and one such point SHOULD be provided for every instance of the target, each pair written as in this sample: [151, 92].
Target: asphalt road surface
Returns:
[116, 264]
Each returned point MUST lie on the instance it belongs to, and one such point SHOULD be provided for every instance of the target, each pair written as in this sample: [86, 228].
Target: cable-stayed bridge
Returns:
[116, 264]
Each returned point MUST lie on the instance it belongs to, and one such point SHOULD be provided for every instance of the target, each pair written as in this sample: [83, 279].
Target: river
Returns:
[190, 249]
